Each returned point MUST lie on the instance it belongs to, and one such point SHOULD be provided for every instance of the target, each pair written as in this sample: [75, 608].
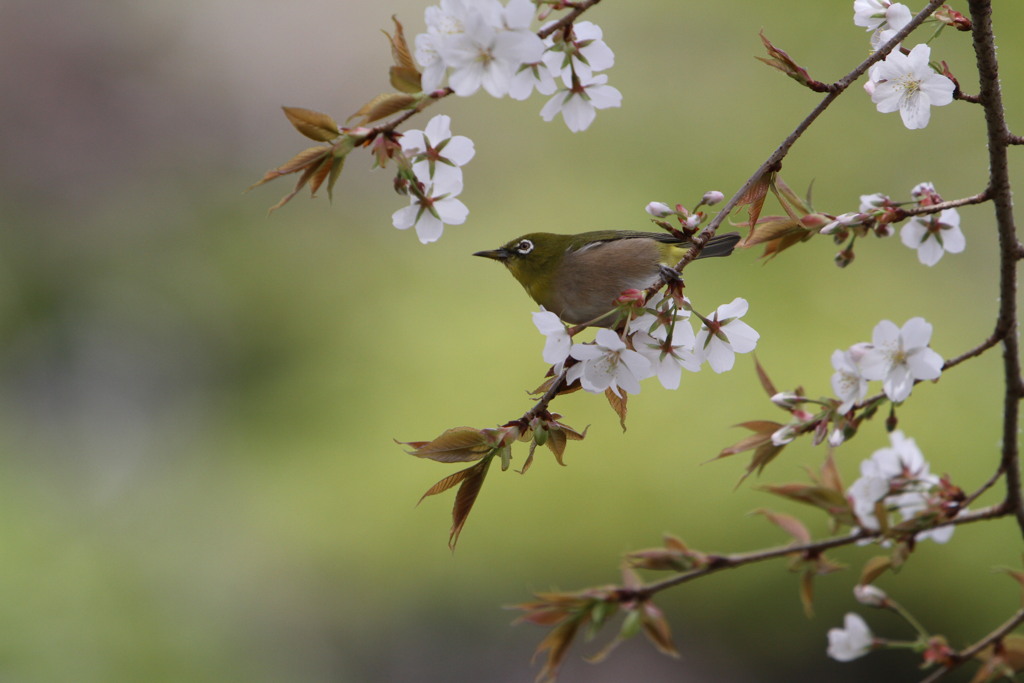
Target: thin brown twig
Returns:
[979, 198]
[774, 161]
[579, 8]
[721, 562]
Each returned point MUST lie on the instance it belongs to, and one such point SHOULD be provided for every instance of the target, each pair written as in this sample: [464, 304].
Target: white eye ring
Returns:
[524, 247]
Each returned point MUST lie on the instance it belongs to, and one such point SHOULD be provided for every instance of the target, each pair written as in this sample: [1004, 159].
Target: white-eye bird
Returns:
[578, 277]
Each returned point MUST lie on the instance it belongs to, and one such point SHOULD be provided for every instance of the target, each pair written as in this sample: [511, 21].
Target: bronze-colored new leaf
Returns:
[459, 444]
[404, 79]
[399, 47]
[875, 567]
[556, 644]
[385, 105]
[309, 157]
[788, 523]
[446, 483]
[753, 199]
[314, 125]
[657, 630]
[464, 499]
[618, 404]
[831, 501]
[766, 382]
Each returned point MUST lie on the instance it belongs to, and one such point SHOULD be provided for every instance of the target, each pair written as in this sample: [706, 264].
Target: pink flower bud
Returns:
[632, 297]
[712, 197]
[659, 209]
[872, 596]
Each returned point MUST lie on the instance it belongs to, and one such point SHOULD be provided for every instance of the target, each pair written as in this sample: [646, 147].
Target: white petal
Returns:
[925, 364]
[459, 150]
[413, 141]
[898, 383]
[554, 105]
[916, 332]
[930, 252]
[428, 228]
[913, 232]
[915, 110]
[578, 113]
[953, 240]
[734, 309]
[452, 211]
[719, 356]
[439, 128]
[405, 218]
[742, 337]
[885, 334]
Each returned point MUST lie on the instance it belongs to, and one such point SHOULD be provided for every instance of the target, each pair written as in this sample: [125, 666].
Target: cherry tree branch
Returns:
[999, 138]
[958, 658]
[578, 9]
[774, 161]
[718, 563]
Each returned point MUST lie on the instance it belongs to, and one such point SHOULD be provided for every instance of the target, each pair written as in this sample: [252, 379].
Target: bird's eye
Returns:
[524, 247]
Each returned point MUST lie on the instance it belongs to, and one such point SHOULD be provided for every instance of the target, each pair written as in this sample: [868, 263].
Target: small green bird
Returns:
[578, 277]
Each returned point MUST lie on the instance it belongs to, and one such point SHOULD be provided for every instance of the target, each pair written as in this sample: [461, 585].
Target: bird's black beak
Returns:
[501, 254]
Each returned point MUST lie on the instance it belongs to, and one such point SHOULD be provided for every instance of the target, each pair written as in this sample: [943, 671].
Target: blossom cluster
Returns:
[483, 44]
[932, 235]
[898, 356]
[436, 158]
[660, 342]
[897, 479]
[901, 82]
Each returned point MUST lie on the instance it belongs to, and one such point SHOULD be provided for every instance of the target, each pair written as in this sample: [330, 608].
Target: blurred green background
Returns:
[199, 480]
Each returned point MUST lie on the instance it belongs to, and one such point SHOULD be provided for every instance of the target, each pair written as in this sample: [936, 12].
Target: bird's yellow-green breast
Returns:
[578, 277]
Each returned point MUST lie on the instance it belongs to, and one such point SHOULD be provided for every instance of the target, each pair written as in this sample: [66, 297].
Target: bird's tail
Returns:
[720, 245]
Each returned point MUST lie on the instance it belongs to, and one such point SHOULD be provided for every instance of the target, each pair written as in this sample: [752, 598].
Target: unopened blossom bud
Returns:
[813, 221]
[787, 400]
[784, 435]
[692, 221]
[858, 350]
[870, 595]
[844, 258]
[841, 221]
[712, 197]
[631, 297]
[659, 209]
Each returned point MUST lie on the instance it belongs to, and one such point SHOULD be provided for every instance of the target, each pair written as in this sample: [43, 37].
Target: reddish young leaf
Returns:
[618, 404]
[405, 79]
[874, 568]
[465, 498]
[754, 200]
[766, 383]
[385, 105]
[399, 48]
[657, 630]
[807, 592]
[320, 174]
[446, 483]
[831, 501]
[459, 444]
[311, 156]
[557, 645]
[314, 125]
[788, 523]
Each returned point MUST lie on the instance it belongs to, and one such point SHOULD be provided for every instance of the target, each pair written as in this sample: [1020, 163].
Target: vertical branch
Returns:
[999, 139]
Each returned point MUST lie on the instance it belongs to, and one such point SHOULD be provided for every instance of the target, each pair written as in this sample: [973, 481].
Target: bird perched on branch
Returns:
[578, 277]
